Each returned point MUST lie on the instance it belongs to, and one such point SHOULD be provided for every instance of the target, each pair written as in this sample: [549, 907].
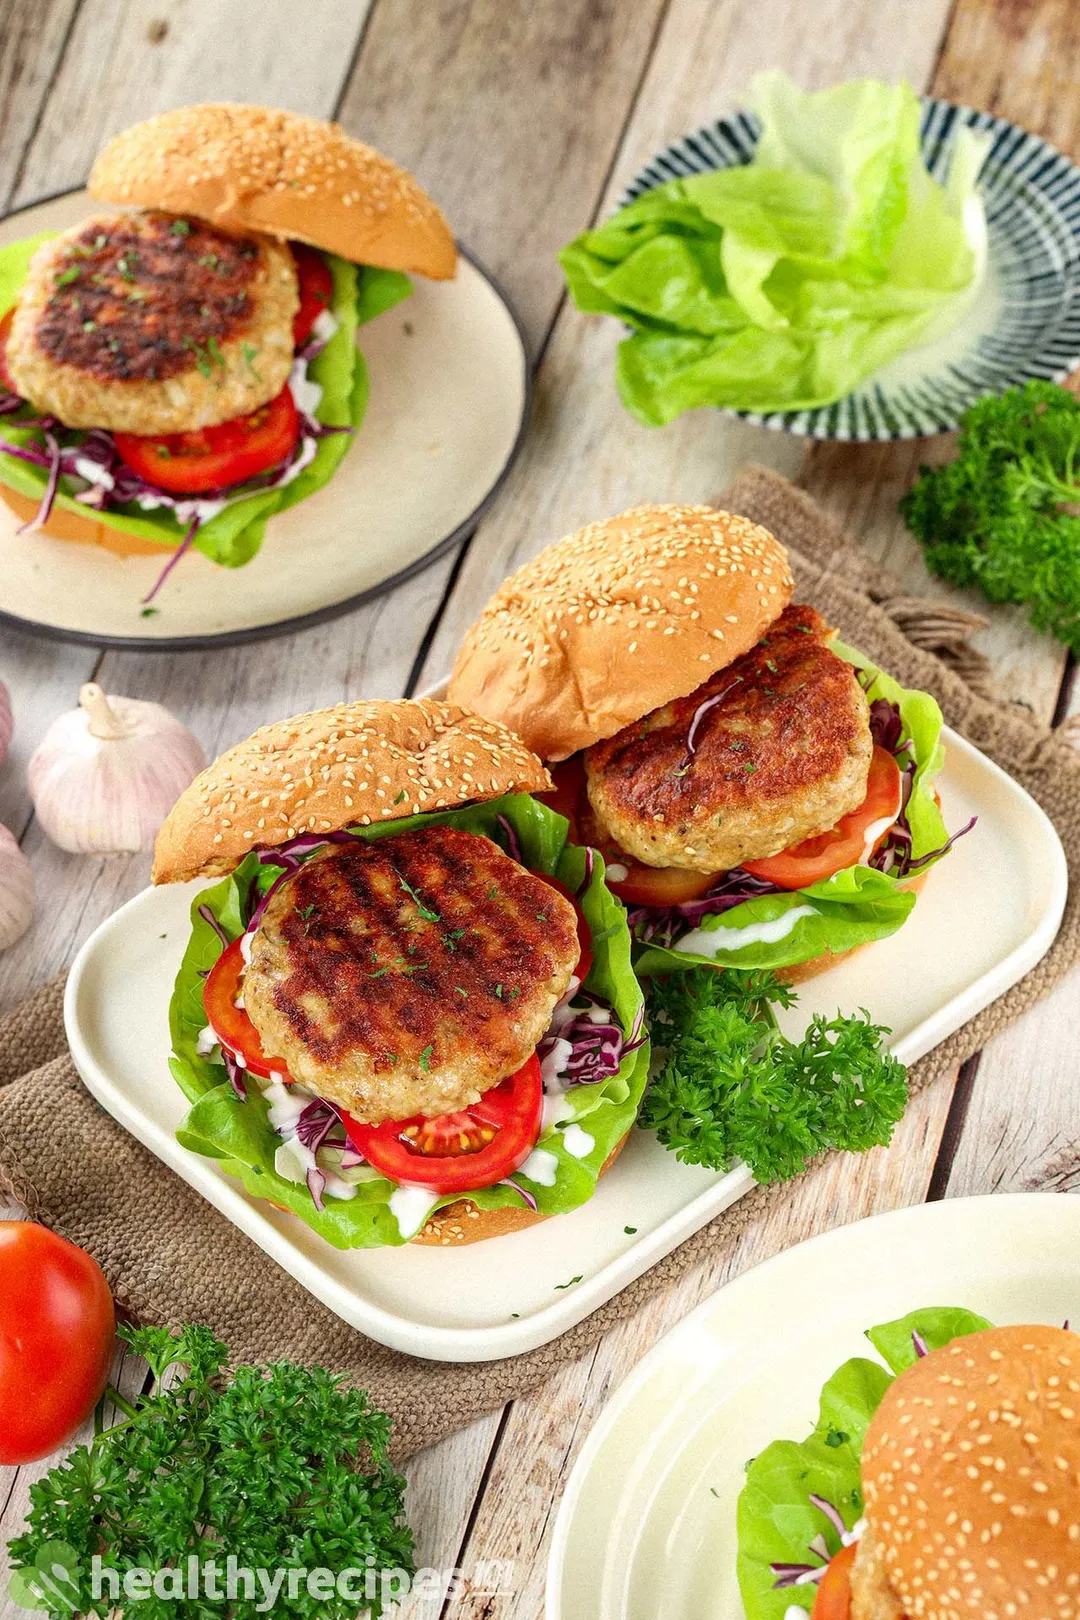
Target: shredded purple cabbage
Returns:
[664, 925]
[208, 917]
[788, 1575]
[593, 1040]
[513, 843]
[894, 857]
[919, 1344]
[522, 1192]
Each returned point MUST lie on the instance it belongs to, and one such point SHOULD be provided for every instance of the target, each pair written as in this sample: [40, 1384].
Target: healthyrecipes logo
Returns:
[57, 1582]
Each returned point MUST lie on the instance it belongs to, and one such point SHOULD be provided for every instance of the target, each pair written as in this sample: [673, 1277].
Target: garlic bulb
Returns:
[7, 723]
[16, 891]
[107, 774]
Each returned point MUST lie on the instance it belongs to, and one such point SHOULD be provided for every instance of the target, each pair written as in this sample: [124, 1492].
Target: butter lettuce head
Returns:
[238, 1133]
[782, 284]
[851, 908]
[777, 1521]
[360, 292]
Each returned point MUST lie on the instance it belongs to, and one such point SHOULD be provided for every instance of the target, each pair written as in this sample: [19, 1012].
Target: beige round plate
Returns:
[646, 1529]
[449, 402]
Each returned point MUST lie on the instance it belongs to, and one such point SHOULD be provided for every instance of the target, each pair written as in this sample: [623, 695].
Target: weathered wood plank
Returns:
[128, 59]
[31, 42]
[587, 456]
[1020, 1130]
[510, 115]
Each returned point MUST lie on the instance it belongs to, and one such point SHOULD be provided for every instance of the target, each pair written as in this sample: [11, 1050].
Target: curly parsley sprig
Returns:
[281, 1466]
[729, 1086]
[1005, 515]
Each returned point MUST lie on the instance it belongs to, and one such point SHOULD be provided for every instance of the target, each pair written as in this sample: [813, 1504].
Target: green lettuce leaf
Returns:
[360, 293]
[776, 1520]
[936, 1326]
[238, 1134]
[851, 908]
[782, 284]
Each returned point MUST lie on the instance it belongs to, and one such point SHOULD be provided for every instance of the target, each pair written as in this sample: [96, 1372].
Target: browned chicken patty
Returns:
[410, 974]
[769, 751]
[149, 323]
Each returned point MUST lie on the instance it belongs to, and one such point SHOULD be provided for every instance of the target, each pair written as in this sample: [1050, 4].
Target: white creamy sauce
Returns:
[795, 1611]
[541, 1167]
[205, 1041]
[410, 1207]
[617, 871]
[245, 948]
[556, 1109]
[855, 1532]
[552, 1066]
[873, 833]
[578, 1143]
[307, 394]
[293, 1159]
[94, 472]
[711, 941]
[325, 325]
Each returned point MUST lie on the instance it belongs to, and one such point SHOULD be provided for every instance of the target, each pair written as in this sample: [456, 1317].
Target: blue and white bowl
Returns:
[1025, 319]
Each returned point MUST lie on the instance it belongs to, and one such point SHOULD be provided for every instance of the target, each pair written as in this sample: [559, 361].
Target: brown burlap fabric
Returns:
[170, 1257]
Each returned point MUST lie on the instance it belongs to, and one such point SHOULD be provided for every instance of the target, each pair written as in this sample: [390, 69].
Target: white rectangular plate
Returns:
[987, 915]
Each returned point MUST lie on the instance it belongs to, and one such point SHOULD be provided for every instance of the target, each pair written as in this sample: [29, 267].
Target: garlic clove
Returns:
[7, 722]
[107, 773]
[16, 891]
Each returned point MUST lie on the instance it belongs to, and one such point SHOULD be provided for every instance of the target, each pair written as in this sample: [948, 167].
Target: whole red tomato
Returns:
[57, 1327]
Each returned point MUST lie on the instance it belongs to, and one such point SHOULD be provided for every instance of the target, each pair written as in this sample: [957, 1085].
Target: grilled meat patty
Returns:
[147, 323]
[409, 975]
[780, 750]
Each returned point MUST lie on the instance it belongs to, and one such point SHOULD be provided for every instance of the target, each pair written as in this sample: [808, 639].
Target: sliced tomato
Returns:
[6, 378]
[230, 1023]
[459, 1153]
[316, 290]
[215, 457]
[853, 839]
[642, 885]
[584, 932]
[833, 1600]
[656, 885]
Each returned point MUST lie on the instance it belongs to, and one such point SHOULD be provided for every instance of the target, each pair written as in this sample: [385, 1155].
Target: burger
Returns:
[950, 1490]
[762, 794]
[406, 1010]
[182, 365]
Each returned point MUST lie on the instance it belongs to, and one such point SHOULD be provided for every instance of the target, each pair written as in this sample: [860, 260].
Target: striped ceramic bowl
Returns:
[1025, 321]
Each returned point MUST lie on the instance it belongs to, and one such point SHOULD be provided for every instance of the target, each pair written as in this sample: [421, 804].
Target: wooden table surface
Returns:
[525, 121]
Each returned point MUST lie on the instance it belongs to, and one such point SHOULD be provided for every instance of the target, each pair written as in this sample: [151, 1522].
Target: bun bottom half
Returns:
[65, 525]
[463, 1223]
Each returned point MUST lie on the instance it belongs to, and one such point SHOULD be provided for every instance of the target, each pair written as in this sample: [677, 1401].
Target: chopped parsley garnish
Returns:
[729, 1086]
[836, 1438]
[425, 1059]
[569, 1284]
[630, 1230]
[148, 612]
[180, 227]
[283, 1465]
[425, 911]
[67, 276]
[400, 797]
[249, 351]
[461, 991]
[493, 891]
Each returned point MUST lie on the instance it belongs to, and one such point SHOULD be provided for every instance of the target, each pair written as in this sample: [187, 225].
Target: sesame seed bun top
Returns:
[971, 1472]
[257, 169]
[350, 766]
[605, 626]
